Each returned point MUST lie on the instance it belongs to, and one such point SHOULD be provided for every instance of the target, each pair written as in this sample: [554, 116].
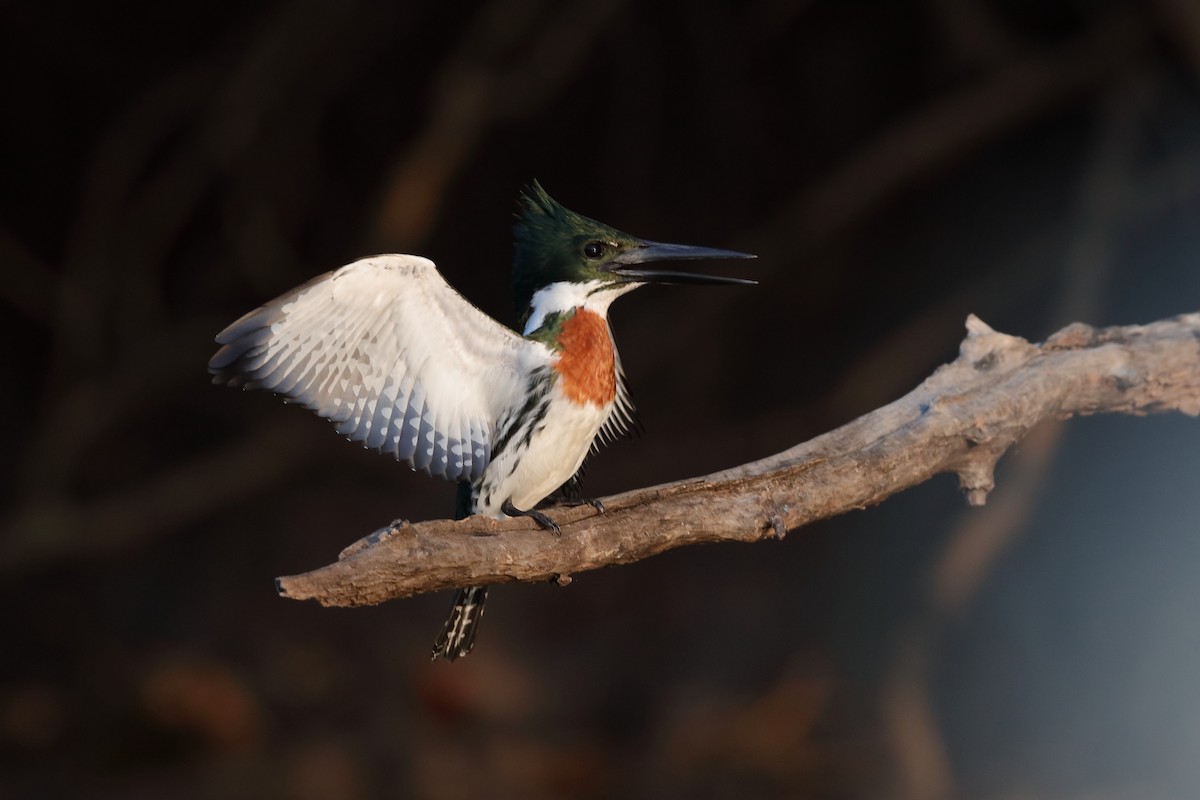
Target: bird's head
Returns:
[555, 245]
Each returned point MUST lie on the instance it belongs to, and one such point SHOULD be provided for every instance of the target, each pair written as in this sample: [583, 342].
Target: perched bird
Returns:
[401, 362]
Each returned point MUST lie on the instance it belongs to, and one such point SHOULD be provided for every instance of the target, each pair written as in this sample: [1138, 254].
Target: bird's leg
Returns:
[541, 519]
[463, 501]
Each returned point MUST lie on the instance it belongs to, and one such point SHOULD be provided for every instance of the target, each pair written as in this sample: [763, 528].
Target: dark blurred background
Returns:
[895, 164]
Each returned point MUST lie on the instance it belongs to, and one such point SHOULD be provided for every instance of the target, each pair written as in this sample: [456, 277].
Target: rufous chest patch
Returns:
[586, 362]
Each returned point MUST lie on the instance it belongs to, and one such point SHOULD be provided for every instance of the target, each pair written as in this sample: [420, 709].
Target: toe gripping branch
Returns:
[541, 519]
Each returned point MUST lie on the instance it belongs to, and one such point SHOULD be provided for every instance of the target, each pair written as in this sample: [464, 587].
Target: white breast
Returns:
[527, 474]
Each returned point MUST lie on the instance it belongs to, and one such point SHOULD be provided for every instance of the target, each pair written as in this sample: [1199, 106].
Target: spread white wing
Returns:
[388, 351]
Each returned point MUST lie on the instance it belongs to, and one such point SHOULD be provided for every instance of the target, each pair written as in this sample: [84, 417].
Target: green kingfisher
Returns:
[401, 362]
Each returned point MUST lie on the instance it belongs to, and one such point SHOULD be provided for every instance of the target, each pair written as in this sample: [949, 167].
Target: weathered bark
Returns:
[961, 419]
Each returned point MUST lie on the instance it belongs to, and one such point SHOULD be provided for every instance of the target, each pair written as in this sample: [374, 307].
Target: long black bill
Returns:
[648, 252]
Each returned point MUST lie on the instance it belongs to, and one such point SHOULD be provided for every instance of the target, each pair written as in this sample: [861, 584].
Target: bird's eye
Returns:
[593, 249]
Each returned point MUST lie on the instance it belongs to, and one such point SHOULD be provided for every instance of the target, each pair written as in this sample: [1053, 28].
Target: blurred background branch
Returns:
[978, 541]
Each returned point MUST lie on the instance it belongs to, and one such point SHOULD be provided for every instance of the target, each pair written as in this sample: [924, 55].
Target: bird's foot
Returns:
[541, 519]
[586, 501]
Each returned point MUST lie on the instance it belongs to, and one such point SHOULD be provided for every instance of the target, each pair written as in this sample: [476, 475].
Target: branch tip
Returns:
[977, 498]
[976, 471]
[977, 327]
[984, 347]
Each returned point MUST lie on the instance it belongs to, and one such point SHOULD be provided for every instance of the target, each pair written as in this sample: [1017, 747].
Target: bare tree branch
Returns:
[961, 419]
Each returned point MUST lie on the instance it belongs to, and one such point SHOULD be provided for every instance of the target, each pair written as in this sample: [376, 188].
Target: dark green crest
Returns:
[553, 244]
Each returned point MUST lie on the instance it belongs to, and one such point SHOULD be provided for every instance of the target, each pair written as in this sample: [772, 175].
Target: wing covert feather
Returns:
[390, 353]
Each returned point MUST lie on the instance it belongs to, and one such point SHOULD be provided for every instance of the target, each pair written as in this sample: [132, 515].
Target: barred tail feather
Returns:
[458, 634]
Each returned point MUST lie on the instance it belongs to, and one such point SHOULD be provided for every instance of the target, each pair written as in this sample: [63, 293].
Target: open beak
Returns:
[626, 264]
